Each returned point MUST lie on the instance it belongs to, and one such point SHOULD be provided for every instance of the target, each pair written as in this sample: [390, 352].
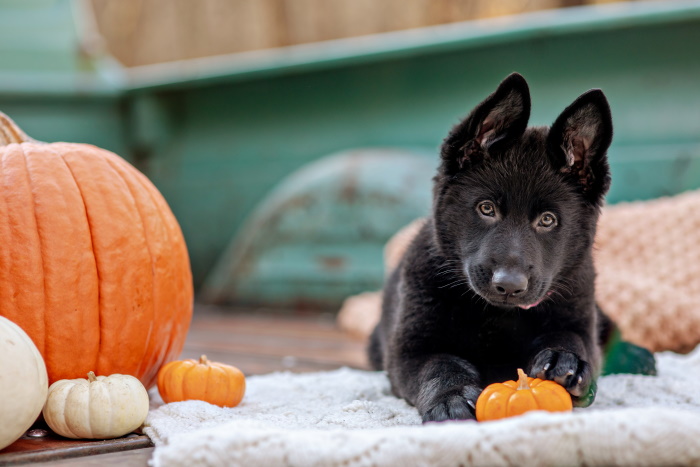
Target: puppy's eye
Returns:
[486, 208]
[547, 220]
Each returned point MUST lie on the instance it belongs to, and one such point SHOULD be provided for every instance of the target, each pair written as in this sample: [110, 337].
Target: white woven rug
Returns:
[349, 418]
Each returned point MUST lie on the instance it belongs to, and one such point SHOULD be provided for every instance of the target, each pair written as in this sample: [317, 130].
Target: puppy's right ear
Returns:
[493, 124]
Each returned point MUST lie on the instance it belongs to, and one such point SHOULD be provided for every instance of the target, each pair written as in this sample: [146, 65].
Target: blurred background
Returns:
[142, 32]
[292, 138]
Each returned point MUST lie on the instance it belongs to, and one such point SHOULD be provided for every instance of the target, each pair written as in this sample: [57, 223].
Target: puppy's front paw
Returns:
[567, 369]
[453, 405]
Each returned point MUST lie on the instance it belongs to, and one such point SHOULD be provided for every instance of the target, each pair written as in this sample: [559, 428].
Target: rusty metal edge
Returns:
[94, 448]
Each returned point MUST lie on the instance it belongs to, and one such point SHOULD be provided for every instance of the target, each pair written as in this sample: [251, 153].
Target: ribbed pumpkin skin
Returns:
[216, 383]
[101, 407]
[502, 400]
[93, 264]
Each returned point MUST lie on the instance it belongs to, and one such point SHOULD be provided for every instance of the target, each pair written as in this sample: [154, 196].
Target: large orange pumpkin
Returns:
[501, 400]
[93, 265]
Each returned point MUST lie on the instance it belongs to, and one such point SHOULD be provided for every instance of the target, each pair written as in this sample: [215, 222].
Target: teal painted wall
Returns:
[233, 143]
[216, 136]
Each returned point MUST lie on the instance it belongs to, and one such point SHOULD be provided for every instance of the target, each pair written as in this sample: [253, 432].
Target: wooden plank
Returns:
[136, 458]
[53, 447]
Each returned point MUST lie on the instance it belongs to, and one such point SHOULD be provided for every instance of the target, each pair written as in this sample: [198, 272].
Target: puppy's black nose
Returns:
[508, 282]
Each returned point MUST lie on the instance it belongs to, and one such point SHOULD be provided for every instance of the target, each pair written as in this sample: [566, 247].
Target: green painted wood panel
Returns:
[217, 135]
[239, 140]
[95, 121]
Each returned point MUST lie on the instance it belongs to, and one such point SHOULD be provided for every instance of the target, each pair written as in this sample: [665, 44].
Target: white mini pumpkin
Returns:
[99, 407]
[23, 382]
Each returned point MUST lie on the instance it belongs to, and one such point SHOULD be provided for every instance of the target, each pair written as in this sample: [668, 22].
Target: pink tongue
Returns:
[527, 307]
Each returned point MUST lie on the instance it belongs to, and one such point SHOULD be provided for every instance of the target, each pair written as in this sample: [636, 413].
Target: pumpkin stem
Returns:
[203, 360]
[11, 133]
[91, 376]
[522, 380]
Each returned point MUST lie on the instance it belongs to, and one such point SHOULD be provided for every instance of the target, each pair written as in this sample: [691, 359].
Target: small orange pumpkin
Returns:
[501, 400]
[213, 382]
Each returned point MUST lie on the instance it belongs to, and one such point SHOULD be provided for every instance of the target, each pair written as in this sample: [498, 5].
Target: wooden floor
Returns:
[267, 341]
[256, 341]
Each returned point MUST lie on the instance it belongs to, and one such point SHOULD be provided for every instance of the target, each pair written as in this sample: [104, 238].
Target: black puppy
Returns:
[501, 276]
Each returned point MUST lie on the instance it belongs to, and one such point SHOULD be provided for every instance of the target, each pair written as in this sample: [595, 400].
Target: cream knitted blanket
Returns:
[349, 418]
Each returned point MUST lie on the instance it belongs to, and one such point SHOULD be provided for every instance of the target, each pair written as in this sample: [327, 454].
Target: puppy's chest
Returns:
[494, 339]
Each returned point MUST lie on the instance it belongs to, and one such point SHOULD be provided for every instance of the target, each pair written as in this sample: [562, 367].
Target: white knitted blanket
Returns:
[349, 418]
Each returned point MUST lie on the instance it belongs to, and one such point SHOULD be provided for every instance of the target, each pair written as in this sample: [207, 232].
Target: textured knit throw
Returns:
[350, 418]
[647, 257]
[648, 263]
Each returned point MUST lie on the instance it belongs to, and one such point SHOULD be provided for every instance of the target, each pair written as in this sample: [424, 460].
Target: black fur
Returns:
[501, 276]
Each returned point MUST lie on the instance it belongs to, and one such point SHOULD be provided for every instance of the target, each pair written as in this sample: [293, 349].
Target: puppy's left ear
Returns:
[578, 143]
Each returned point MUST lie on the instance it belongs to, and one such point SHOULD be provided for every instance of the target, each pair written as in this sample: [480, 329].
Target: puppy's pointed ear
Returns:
[578, 143]
[493, 124]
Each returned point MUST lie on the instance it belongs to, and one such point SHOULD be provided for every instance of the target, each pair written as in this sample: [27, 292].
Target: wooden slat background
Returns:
[141, 32]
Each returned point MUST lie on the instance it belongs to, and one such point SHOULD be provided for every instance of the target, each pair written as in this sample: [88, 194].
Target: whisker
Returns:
[452, 284]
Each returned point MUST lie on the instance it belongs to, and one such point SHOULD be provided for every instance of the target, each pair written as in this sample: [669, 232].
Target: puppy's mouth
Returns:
[479, 280]
[532, 305]
[514, 302]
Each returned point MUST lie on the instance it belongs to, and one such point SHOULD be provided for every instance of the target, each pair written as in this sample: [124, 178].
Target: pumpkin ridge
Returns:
[176, 391]
[563, 397]
[94, 257]
[110, 406]
[123, 175]
[186, 377]
[162, 389]
[529, 395]
[63, 415]
[509, 398]
[158, 200]
[32, 186]
[121, 257]
[4, 222]
[162, 357]
[209, 388]
[9, 235]
[218, 375]
[64, 291]
[89, 406]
